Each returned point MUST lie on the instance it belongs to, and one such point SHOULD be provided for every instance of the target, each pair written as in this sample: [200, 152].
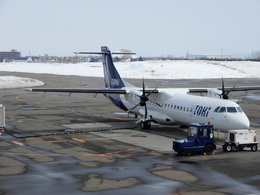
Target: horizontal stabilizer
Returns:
[100, 53]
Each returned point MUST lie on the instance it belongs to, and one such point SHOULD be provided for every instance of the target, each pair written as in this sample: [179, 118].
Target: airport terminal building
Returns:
[9, 54]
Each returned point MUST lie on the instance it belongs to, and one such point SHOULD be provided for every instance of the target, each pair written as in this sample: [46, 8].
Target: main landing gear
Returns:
[146, 125]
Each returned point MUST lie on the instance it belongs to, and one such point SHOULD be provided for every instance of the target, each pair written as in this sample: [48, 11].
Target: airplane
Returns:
[167, 106]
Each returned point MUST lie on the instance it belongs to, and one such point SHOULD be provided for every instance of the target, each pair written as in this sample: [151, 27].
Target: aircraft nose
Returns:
[241, 122]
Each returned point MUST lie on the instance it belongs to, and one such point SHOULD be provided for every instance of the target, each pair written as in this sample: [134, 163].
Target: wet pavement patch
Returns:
[95, 182]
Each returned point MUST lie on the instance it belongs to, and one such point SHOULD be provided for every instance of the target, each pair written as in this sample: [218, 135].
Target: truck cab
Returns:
[200, 138]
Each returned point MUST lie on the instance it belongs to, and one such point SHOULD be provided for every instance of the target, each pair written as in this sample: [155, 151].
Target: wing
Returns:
[79, 90]
[242, 88]
[229, 89]
[83, 90]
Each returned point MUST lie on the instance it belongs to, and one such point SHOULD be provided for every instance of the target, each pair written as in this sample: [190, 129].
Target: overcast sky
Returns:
[147, 27]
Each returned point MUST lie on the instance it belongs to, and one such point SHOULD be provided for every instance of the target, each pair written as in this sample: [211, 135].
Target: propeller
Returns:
[224, 93]
[143, 99]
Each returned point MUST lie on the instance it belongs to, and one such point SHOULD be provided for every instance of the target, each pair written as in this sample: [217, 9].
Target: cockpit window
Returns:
[216, 110]
[239, 109]
[228, 109]
[231, 109]
[222, 109]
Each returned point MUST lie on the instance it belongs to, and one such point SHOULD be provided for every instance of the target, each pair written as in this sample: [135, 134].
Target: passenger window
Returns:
[231, 109]
[222, 109]
[216, 110]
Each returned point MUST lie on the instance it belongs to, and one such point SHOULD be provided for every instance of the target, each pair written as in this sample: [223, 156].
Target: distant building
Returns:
[9, 54]
[208, 57]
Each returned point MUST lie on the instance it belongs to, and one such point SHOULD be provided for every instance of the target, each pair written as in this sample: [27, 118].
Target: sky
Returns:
[147, 27]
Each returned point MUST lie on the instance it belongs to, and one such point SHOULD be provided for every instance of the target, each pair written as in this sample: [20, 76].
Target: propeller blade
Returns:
[145, 115]
[143, 88]
[224, 94]
[133, 108]
[156, 103]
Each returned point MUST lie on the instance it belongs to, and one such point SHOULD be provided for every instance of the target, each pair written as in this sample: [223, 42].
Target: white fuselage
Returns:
[178, 107]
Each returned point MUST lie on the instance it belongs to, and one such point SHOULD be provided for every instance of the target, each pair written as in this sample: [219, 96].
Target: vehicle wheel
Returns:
[146, 125]
[189, 152]
[209, 149]
[229, 148]
[254, 147]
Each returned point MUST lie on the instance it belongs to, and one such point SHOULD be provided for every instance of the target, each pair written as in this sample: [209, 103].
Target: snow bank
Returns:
[18, 82]
[147, 69]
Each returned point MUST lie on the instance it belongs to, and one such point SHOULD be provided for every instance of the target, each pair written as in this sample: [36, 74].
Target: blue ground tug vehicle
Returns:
[200, 138]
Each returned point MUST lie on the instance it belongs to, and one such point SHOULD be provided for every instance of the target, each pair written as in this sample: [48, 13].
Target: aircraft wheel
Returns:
[146, 125]
[209, 149]
[254, 147]
[189, 152]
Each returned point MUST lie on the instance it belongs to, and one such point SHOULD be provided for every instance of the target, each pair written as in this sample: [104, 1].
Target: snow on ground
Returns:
[18, 82]
[148, 69]
[186, 69]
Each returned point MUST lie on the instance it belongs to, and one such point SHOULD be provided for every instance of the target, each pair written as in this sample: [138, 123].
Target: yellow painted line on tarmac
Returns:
[79, 140]
[103, 138]
[18, 143]
[111, 153]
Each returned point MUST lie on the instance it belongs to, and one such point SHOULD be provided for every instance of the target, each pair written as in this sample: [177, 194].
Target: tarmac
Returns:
[61, 143]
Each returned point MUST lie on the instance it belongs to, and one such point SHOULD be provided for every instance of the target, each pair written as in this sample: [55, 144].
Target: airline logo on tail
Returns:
[111, 76]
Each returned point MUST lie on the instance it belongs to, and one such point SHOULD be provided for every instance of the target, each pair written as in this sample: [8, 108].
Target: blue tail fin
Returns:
[111, 76]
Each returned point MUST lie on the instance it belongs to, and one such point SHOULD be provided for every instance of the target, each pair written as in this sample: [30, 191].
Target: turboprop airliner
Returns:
[167, 105]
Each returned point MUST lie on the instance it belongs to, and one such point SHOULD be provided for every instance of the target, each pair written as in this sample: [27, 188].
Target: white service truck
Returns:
[239, 139]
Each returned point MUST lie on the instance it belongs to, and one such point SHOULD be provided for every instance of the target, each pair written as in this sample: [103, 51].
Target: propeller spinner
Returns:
[143, 99]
